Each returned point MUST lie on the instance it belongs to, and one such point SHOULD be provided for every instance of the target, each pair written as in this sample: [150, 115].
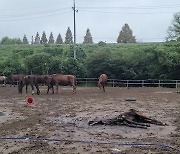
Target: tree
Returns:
[25, 40]
[59, 39]
[7, 40]
[69, 38]
[37, 63]
[51, 39]
[43, 38]
[126, 35]
[37, 39]
[174, 30]
[88, 37]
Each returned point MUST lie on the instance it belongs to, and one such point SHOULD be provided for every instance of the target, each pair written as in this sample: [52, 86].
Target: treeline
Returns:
[47, 40]
[121, 61]
[125, 36]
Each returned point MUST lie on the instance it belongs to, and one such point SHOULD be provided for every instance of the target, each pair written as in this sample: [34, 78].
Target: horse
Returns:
[34, 80]
[63, 80]
[3, 80]
[28, 80]
[12, 79]
[102, 81]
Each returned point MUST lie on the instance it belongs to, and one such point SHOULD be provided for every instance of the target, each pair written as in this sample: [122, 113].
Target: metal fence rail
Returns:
[130, 83]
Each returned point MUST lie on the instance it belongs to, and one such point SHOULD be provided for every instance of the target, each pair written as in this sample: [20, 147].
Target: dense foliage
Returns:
[122, 61]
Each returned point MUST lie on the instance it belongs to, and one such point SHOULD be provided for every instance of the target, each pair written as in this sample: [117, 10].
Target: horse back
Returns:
[103, 78]
[64, 79]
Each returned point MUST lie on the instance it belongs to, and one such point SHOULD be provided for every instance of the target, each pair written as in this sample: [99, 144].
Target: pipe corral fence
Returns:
[91, 82]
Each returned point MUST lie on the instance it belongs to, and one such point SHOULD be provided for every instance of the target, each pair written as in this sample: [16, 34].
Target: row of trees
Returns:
[154, 61]
[125, 36]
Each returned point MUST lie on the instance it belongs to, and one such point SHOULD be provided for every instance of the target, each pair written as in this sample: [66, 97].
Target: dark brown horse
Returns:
[102, 81]
[29, 80]
[14, 79]
[63, 80]
[34, 80]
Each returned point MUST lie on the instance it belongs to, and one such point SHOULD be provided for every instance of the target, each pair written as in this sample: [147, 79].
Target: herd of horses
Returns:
[49, 80]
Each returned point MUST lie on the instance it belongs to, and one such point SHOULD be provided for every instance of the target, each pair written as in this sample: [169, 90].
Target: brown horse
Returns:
[3, 80]
[14, 79]
[102, 81]
[63, 80]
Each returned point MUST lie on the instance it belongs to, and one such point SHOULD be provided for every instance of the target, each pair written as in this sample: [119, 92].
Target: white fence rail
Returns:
[131, 83]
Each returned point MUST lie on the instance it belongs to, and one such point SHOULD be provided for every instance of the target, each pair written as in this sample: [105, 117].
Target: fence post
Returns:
[176, 84]
[159, 84]
[113, 82]
[142, 83]
[86, 82]
[127, 83]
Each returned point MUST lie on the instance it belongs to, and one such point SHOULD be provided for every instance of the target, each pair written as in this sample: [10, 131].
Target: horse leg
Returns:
[48, 89]
[32, 89]
[56, 89]
[26, 88]
[37, 87]
[103, 88]
[74, 89]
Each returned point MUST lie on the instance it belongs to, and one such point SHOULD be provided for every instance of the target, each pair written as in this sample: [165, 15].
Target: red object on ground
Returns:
[30, 101]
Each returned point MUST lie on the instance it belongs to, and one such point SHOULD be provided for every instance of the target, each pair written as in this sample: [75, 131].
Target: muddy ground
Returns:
[65, 116]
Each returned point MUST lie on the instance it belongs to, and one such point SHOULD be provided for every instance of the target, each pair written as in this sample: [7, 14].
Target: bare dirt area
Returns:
[65, 117]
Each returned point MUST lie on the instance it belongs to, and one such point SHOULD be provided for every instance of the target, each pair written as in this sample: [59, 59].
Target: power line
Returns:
[135, 7]
[133, 13]
[43, 16]
[34, 13]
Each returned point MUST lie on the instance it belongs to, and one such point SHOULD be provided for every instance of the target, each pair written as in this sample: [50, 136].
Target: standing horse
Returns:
[29, 80]
[34, 80]
[12, 79]
[102, 81]
[63, 80]
[3, 80]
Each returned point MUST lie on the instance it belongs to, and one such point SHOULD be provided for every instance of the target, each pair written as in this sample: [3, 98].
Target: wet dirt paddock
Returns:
[65, 116]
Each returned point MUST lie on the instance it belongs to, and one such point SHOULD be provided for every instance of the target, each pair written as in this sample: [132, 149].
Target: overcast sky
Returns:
[148, 19]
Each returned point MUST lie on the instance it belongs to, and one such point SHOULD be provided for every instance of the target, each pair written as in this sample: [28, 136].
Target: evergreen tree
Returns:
[59, 39]
[126, 35]
[37, 39]
[88, 37]
[68, 38]
[51, 39]
[174, 30]
[43, 38]
[25, 40]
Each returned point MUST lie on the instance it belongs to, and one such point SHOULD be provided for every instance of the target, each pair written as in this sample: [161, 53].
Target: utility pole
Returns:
[74, 47]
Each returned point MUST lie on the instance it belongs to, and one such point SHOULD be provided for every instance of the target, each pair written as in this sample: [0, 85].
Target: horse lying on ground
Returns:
[132, 118]
[3, 80]
[63, 80]
[102, 81]
[13, 79]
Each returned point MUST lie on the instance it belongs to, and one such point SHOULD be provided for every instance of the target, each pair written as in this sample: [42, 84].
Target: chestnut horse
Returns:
[102, 81]
[63, 80]
[3, 80]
